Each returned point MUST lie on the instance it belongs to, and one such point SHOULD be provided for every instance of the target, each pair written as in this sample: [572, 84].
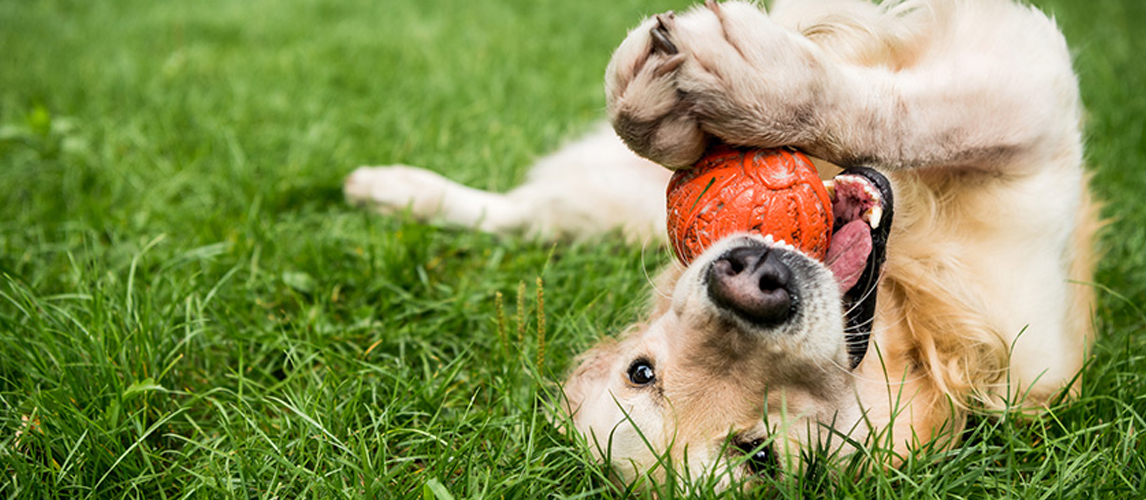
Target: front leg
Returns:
[988, 97]
[722, 72]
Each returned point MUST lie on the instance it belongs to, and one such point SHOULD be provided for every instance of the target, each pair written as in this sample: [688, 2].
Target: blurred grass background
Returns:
[188, 308]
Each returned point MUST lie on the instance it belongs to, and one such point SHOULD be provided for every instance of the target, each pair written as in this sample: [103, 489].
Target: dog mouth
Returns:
[862, 207]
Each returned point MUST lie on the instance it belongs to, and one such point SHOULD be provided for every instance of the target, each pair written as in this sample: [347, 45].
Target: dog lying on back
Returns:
[964, 115]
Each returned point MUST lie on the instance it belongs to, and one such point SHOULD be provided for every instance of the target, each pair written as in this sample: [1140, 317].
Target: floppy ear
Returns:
[591, 374]
[589, 378]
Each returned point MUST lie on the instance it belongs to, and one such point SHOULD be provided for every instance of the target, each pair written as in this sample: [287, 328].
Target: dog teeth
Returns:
[873, 216]
[853, 180]
[774, 242]
[871, 191]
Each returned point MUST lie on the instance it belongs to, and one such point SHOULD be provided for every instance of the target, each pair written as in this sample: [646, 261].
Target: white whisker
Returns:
[645, 269]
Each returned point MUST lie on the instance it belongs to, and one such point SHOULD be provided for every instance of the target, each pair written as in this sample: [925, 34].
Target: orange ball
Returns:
[764, 191]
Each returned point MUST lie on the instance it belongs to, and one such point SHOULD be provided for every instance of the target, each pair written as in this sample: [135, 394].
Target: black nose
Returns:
[752, 282]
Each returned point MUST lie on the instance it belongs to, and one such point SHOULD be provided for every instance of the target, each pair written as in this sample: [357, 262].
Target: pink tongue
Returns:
[848, 253]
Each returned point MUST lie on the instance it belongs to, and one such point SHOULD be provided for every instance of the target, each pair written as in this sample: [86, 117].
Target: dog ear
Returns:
[592, 370]
[589, 378]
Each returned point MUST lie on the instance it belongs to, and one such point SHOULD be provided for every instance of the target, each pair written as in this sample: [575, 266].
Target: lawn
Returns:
[189, 309]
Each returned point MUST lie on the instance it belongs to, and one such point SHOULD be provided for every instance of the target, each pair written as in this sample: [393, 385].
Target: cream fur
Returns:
[970, 107]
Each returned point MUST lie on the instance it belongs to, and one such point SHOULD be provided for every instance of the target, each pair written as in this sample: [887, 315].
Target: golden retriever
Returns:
[960, 123]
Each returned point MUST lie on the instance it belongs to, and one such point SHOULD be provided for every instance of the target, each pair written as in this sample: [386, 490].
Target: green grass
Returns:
[188, 309]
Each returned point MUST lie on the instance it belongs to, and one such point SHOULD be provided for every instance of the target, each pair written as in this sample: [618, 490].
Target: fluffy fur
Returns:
[970, 108]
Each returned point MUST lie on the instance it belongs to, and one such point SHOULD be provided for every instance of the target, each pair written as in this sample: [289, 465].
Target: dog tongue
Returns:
[848, 253]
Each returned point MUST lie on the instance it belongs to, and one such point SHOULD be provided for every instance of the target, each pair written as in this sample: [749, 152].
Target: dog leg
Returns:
[429, 196]
[588, 187]
[989, 89]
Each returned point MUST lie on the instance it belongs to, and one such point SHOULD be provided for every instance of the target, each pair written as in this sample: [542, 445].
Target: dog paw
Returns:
[397, 188]
[644, 105]
[723, 70]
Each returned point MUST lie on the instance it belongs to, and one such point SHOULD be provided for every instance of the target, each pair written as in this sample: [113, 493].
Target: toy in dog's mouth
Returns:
[862, 205]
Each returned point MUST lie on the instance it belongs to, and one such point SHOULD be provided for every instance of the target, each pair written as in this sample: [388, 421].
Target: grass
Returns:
[188, 309]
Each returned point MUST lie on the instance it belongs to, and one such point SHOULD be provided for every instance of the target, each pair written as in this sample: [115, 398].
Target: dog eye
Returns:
[761, 460]
[641, 372]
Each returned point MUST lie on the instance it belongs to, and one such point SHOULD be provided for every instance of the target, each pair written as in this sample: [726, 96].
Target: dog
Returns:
[956, 124]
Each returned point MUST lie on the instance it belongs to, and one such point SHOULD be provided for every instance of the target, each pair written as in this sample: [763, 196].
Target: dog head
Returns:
[747, 356]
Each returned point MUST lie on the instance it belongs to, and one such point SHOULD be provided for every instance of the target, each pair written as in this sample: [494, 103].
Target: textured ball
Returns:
[765, 191]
